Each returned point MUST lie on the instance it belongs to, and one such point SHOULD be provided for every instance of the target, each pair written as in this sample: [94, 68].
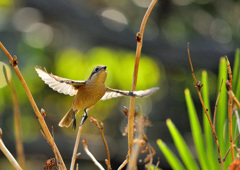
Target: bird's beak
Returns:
[104, 67]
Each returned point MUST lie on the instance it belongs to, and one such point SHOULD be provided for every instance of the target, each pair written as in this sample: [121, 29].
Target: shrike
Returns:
[87, 93]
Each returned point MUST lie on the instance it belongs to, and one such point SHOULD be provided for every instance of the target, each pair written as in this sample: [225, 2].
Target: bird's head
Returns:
[99, 74]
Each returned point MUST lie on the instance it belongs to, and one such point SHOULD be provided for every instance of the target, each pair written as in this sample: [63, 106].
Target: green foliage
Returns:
[171, 158]
[203, 140]
[182, 147]
[119, 65]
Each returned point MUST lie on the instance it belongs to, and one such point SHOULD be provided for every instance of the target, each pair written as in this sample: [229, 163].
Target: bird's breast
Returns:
[88, 95]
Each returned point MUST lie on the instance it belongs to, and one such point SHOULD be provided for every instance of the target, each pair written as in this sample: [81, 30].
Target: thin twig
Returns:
[230, 147]
[14, 62]
[158, 162]
[77, 167]
[100, 127]
[139, 38]
[75, 156]
[17, 121]
[151, 160]
[8, 154]
[230, 92]
[198, 87]
[91, 155]
[215, 110]
[230, 106]
[124, 163]
[133, 158]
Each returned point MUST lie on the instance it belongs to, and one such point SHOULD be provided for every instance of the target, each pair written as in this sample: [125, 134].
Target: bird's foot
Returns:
[84, 118]
[74, 122]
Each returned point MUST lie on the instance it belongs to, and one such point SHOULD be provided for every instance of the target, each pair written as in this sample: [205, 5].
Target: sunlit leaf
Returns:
[182, 147]
[206, 125]
[196, 131]
[170, 156]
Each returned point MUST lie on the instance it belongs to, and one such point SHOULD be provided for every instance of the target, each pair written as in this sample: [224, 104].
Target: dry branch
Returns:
[139, 39]
[14, 62]
[133, 158]
[8, 154]
[230, 147]
[100, 127]
[91, 155]
[17, 121]
[215, 110]
[230, 107]
[75, 155]
[123, 164]
[198, 87]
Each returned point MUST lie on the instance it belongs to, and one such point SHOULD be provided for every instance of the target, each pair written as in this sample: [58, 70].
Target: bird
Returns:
[87, 93]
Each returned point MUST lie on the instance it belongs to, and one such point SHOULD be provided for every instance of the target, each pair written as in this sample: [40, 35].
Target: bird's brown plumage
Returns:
[87, 92]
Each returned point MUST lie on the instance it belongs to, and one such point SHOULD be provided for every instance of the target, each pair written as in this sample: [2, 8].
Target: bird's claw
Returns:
[74, 122]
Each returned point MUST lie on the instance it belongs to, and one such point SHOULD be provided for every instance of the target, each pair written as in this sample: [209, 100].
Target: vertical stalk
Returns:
[139, 38]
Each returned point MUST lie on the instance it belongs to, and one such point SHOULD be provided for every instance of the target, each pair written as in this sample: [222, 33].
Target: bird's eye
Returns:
[96, 69]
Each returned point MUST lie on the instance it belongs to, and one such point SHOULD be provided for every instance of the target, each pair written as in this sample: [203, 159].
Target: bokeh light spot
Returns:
[25, 17]
[221, 31]
[39, 35]
[142, 3]
[114, 19]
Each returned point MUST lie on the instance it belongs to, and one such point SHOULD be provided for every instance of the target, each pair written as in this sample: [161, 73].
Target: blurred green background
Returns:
[69, 38]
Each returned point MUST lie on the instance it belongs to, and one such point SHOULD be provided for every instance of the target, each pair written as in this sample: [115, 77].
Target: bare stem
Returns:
[230, 92]
[230, 147]
[101, 127]
[198, 87]
[124, 164]
[215, 110]
[17, 122]
[91, 155]
[13, 62]
[8, 154]
[133, 158]
[230, 107]
[135, 73]
[74, 156]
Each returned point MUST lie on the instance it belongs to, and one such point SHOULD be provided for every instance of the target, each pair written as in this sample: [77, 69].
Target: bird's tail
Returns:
[67, 119]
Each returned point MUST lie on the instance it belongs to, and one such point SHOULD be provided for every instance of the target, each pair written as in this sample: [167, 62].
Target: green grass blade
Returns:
[206, 125]
[170, 156]
[221, 117]
[196, 131]
[236, 73]
[182, 148]
[236, 69]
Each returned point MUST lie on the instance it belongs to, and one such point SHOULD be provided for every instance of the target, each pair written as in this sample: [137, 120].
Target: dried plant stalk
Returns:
[139, 38]
[17, 121]
[14, 62]
[133, 158]
[198, 87]
[91, 155]
[100, 127]
[123, 164]
[215, 110]
[230, 147]
[74, 156]
[230, 107]
[8, 154]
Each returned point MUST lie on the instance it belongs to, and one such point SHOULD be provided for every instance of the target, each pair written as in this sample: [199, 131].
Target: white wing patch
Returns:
[109, 95]
[58, 84]
[113, 93]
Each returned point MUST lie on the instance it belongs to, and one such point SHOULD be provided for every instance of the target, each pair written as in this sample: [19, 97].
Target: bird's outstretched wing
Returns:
[112, 93]
[59, 84]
